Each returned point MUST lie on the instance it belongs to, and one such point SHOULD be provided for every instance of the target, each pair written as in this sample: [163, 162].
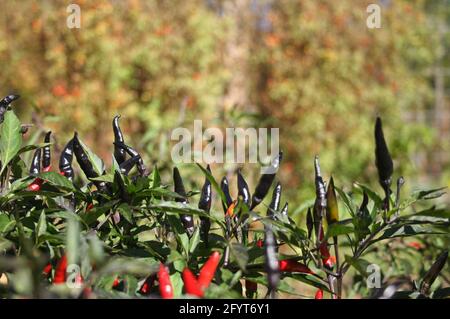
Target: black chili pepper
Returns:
[205, 204]
[47, 159]
[35, 167]
[127, 165]
[271, 261]
[275, 203]
[284, 211]
[383, 161]
[142, 169]
[265, 181]
[320, 204]
[119, 153]
[433, 272]
[85, 164]
[243, 189]
[226, 191]
[4, 104]
[309, 222]
[65, 160]
[363, 219]
[187, 220]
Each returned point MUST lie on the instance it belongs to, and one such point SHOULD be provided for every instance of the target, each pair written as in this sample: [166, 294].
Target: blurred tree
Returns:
[323, 76]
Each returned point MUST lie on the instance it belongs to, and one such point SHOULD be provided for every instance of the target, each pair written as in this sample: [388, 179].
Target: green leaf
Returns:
[126, 211]
[195, 240]
[404, 231]
[155, 177]
[338, 229]
[239, 254]
[97, 162]
[41, 227]
[10, 139]
[57, 180]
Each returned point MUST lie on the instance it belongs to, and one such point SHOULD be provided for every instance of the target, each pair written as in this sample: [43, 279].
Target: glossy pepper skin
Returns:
[46, 153]
[383, 161]
[119, 152]
[147, 285]
[165, 285]
[243, 189]
[332, 205]
[320, 204]
[127, 165]
[187, 220]
[433, 273]
[205, 205]
[142, 169]
[4, 104]
[35, 168]
[226, 191]
[265, 182]
[60, 271]
[309, 222]
[85, 164]
[319, 294]
[271, 260]
[208, 270]
[65, 160]
[191, 285]
[275, 202]
[293, 266]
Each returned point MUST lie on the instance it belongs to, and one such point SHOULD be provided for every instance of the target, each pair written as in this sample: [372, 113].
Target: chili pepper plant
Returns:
[72, 228]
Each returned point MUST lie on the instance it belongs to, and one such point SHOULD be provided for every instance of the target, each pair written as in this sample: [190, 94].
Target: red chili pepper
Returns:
[47, 270]
[35, 185]
[319, 294]
[328, 260]
[47, 169]
[116, 282]
[165, 285]
[293, 266]
[208, 270]
[191, 285]
[89, 207]
[60, 271]
[147, 285]
[260, 243]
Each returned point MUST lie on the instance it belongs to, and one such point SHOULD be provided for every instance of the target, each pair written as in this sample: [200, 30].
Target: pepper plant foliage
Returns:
[118, 232]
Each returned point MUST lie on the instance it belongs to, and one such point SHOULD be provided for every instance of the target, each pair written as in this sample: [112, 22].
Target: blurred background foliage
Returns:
[310, 67]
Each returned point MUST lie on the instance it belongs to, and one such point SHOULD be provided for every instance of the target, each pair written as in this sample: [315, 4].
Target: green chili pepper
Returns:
[187, 220]
[383, 162]
[265, 182]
